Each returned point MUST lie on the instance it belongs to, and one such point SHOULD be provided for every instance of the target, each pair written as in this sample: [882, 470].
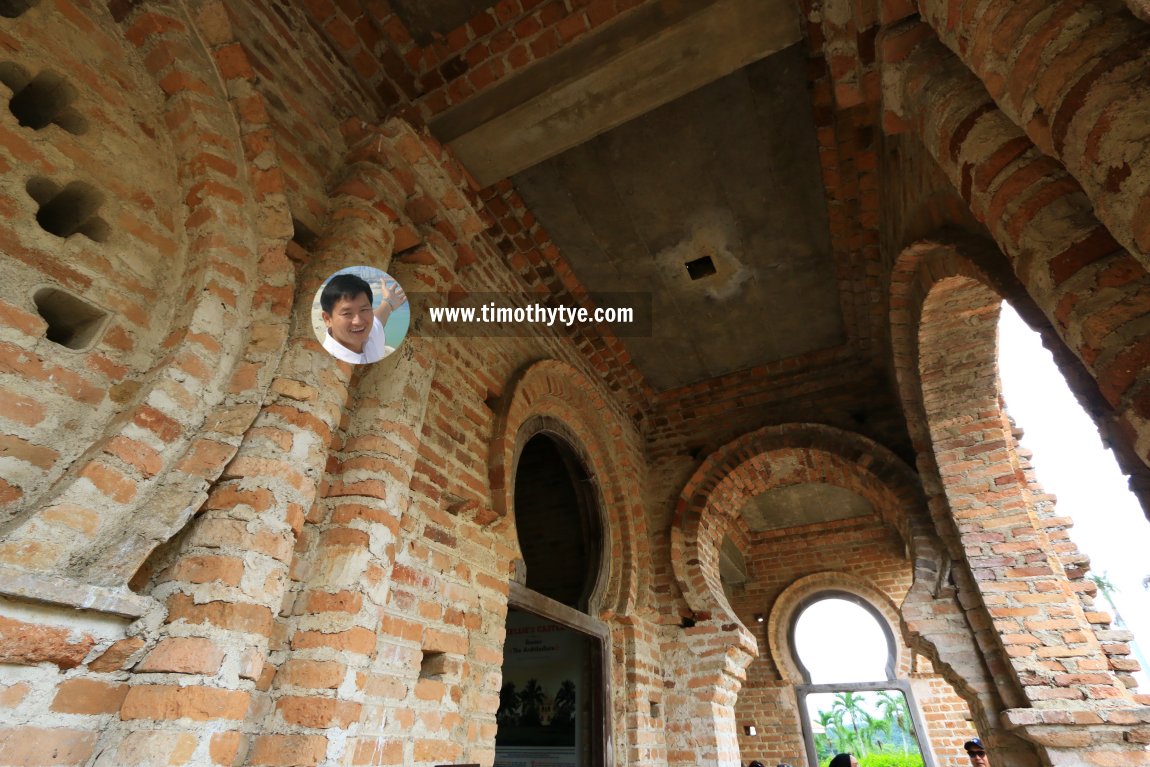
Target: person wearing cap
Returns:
[976, 752]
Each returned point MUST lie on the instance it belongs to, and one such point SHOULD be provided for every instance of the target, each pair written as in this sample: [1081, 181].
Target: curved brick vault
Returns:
[769, 458]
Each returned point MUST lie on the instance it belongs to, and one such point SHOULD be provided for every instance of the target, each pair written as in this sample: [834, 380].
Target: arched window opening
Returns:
[557, 521]
[838, 639]
[853, 701]
[556, 683]
[1071, 462]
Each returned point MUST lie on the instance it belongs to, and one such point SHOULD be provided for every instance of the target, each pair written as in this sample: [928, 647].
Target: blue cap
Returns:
[974, 744]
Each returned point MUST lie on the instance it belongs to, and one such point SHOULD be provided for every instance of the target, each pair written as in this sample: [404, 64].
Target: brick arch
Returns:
[774, 457]
[712, 656]
[552, 395]
[182, 419]
[981, 629]
[1083, 280]
[787, 603]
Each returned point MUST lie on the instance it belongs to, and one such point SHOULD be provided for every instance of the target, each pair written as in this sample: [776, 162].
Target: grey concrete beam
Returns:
[646, 59]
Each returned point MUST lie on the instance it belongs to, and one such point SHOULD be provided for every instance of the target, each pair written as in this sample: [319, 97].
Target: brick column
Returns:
[334, 672]
[708, 665]
[224, 587]
[940, 626]
[1074, 76]
[1077, 274]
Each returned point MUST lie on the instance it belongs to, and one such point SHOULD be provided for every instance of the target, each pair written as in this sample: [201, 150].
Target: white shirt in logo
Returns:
[375, 347]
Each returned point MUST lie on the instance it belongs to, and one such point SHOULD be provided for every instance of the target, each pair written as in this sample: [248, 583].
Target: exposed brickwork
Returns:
[1017, 192]
[1070, 74]
[818, 560]
[492, 45]
[146, 415]
[707, 511]
[300, 536]
[943, 303]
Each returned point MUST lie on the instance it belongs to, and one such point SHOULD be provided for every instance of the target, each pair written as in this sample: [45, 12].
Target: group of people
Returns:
[974, 750]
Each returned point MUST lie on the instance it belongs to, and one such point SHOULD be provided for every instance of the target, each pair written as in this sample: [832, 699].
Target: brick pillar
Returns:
[1077, 274]
[1073, 75]
[707, 664]
[332, 671]
[226, 584]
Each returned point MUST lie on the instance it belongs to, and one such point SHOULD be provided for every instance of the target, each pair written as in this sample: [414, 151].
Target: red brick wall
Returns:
[322, 530]
[128, 157]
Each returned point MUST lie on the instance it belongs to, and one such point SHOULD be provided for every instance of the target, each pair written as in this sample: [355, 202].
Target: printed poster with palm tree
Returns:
[544, 665]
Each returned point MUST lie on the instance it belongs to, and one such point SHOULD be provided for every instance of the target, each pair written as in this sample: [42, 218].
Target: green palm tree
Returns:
[825, 740]
[851, 707]
[893, 708]
[840, 740]
[878, 731]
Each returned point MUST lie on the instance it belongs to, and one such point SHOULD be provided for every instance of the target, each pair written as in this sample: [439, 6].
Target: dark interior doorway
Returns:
[550, 708]
[554, 700]
[558, 522]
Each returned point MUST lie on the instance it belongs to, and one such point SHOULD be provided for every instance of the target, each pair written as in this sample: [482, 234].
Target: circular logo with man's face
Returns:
[360, 315]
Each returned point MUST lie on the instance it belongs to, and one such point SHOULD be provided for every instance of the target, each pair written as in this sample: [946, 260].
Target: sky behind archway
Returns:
[1071, 462]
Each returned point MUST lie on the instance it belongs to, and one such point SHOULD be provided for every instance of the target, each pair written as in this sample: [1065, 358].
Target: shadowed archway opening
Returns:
[558, 522]
[555, 693]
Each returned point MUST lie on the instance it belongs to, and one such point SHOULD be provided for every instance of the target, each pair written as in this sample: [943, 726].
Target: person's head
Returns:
[844, 760]
[347, 313]
[756, 763]
[976, 752]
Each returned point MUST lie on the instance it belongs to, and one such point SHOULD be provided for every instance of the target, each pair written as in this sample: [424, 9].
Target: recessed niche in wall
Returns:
[302, 234]
[432, 665]
[68, 211]
[10, 9]
[43, 100]
[72, 321]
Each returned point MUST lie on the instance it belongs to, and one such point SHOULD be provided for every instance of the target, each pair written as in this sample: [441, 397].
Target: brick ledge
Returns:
[54, 590]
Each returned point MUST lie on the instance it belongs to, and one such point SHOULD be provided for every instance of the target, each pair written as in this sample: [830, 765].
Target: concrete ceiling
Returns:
[684, 131]
[728, 172]
[804, 504]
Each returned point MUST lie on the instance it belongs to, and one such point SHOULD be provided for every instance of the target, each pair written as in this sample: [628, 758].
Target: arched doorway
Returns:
[554, 696]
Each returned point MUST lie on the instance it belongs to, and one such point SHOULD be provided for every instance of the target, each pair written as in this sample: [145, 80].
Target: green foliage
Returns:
[884, 760]
[869, 724]
[891, 760]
